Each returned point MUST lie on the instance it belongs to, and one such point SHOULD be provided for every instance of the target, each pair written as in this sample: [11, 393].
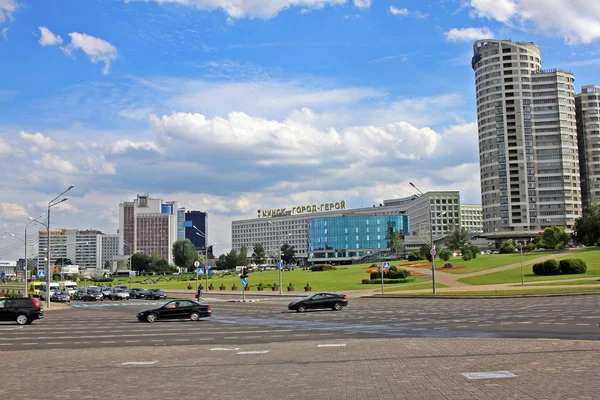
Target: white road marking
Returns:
[139, 363]
[108, 341]
[488, 375]
[224, 349]
[583, 324]
[333, 345]
[253, 352]
[55, 343]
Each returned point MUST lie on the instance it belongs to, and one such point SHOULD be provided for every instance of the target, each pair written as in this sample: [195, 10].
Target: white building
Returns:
[471, 217]
[527, 139]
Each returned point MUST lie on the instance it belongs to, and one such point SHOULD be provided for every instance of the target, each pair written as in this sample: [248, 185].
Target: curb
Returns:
[498, 296]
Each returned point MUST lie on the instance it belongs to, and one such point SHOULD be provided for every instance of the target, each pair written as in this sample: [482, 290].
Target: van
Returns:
[69, 287]
[34, 289]
[53, 288]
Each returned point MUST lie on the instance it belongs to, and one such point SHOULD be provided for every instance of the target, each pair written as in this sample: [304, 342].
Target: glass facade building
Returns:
[352, 236]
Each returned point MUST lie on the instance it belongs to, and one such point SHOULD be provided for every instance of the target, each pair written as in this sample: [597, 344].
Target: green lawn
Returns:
[517, 292]
[571, 283]
[489, 261]
[590, 255]
[413, 286]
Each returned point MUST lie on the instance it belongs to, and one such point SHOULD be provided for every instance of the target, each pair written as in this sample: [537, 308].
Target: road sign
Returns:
[132, 274]
[196, 263]
[41, 274]
[77, 280]
[386, 264]
[244, 282]
[432, 252]
[207, 267]
[280, 264]
[200, 271]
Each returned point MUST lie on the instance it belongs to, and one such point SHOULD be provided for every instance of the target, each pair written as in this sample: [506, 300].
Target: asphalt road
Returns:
[113, 324]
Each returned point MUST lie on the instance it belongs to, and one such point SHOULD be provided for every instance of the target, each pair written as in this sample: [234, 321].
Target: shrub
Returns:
[572, 266]
[445, 255]
[375, 275]
[548, 267]
[415, 256]
[508, 247]
[189, 286]
[366, 281]
[467, 256]
[398, 274]
[390, 281]
[322, 267]
[448, 265]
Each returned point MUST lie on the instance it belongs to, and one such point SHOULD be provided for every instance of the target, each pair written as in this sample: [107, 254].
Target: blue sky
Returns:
[230, 106]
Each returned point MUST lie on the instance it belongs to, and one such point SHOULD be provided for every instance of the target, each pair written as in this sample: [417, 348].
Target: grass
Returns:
[570, 283]
[414, 286]
[489, 261]
[517, 292]
[590, 256]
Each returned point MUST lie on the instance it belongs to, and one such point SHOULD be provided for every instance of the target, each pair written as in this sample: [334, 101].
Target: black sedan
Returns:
[155, 294]
[176, 309]
[137, 293]
[319, 301]
[93, 295]
[78, 295]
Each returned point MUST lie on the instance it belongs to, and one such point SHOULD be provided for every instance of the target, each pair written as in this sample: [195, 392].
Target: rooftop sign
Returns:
[314, 208]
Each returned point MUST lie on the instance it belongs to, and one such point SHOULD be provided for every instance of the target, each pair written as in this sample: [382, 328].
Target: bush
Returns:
[415, 256]
[467, 256]
[548, 267]
[366, 281]
[572, 266]
[448, 265]
[445, 255]
[398, 274]
[322, 267]
[375, 275]
[508, 247]
[101, 279]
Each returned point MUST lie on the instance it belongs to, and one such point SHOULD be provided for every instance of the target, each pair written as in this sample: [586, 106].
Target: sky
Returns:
[231, 106]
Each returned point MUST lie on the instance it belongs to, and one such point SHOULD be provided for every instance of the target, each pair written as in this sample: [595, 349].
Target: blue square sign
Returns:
[386, 265]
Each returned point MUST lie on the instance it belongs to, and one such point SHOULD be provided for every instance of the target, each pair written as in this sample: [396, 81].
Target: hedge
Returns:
[573, 266]
[548, 267]
[387, 281]
[322, 267]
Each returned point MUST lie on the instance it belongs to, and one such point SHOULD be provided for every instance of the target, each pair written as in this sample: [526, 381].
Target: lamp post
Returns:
[522, 276]
[51, 204]
[430, 237]
[203, 235]
[279, 256]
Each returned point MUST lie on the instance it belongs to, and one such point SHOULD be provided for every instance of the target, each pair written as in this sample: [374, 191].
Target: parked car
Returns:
[23, 310]
[155, 294]
[78, 295]
[106, 291]
[176, 309]
[319, 301]
[60, 297]
[122, 287]
[93, 295]
[118, 294]
[137, 293]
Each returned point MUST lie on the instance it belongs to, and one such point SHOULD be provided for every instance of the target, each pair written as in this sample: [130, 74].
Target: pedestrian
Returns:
[199, 295]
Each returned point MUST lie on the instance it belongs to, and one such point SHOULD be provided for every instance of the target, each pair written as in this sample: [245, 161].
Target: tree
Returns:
[288, 253]
[457, 239]
[258, 254]
[210, 252]
[425, 252]
[221, 262]
[160, 266]
[445, 254]
[243, 256]
[587, 228]
[140, 262]
[555, 237]
[471, 250]
[63, 261]
[508, 247]
[184, 254]
[231, 261]
[394, 242]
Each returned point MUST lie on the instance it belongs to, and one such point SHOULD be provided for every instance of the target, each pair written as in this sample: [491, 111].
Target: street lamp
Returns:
[203, 235]
[430, 237]
[31, 222]
[51, 204]
[279, 256]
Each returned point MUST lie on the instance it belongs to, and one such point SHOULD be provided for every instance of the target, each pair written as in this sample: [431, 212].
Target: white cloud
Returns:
[578, 21]
[139, 113]
[99, 166]
[469, 34]
[48, 38]
[41, 142]
[14, 212]
[4, 147]
[97, 50]
[123, 146]
[55, 163]
[398, 11]
[7, 9]
[5, 32]
[264, 9]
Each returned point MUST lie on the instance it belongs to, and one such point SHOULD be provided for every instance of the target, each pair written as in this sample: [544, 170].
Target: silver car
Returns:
[119, 294]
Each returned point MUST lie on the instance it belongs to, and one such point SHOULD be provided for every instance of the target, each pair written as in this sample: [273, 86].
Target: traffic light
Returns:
[244, 273]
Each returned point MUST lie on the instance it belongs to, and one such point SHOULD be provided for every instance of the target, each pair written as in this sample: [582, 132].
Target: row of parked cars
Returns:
[99, 293]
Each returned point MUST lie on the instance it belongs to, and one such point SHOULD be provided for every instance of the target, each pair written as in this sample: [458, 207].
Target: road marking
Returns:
[182, 340]
[230, 337]
[253, 352]
[29, 344]
[583, 324]
[489, 375]
[131, 341]
[55, 343]
[139, 363]
[108, 341]
[333, 345]
[224, 349]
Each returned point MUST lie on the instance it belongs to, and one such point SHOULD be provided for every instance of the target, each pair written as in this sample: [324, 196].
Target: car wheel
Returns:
[337, 306]
[22, 319]
[301, 308]
[151, 317]
[194, 316]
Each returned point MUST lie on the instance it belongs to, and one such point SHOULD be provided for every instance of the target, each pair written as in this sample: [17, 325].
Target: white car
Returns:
[118, 294]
